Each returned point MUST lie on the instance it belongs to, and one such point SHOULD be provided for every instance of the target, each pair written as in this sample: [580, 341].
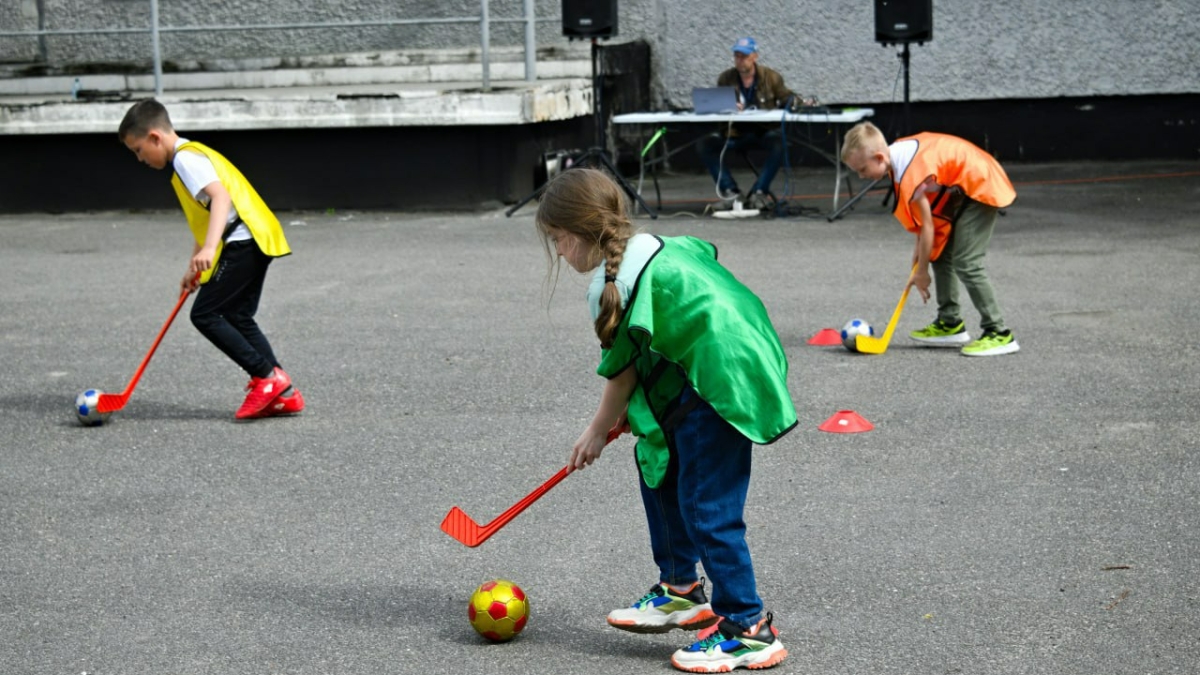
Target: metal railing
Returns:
[483, 19]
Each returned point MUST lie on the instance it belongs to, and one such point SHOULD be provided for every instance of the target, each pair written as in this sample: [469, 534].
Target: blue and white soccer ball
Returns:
[85, 408]
[854, 328]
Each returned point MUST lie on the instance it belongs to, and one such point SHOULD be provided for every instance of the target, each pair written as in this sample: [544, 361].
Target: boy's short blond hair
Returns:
[863, 137]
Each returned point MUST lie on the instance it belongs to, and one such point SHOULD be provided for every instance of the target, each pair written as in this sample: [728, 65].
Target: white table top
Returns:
[842, 116]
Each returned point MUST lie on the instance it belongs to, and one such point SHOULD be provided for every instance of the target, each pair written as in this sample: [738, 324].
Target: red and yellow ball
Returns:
[498, 610]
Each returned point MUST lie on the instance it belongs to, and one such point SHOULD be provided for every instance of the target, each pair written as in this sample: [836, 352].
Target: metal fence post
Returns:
[484, 30]
[156, 30]
[158, 73]
[530, 43]
[43, 51]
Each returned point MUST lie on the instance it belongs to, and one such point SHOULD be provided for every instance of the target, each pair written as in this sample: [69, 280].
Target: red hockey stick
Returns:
[462, 527]
[113, 402]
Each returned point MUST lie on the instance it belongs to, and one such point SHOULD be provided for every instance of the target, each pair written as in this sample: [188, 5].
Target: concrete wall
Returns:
[981, 49]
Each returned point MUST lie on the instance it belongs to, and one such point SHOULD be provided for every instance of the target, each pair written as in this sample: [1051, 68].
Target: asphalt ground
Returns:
[1033, 513]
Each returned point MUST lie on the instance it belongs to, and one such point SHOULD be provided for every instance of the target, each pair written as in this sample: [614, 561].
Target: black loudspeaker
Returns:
[587, 19]
[901, 21]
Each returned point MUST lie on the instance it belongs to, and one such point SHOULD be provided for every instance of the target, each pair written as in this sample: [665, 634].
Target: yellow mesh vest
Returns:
[254, 212]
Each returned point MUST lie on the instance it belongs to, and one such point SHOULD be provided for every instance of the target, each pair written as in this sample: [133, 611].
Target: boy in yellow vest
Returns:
[948, 192]
[237, 237]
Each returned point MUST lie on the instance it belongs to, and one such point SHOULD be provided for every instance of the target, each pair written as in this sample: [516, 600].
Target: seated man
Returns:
[761, 88]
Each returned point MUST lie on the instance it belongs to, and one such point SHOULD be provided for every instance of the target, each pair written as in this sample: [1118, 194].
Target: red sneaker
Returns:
[263, 392]
[289, 402]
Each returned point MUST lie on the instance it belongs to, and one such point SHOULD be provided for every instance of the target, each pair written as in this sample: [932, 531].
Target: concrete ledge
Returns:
[58, 87]
[393, 88]
[571, 51]
[508, 103]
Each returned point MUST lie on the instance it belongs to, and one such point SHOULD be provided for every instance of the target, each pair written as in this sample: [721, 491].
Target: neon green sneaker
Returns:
[941, 334]
[992, 344]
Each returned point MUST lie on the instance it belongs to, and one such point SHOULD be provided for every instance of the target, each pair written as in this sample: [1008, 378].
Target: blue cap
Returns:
[746, 45]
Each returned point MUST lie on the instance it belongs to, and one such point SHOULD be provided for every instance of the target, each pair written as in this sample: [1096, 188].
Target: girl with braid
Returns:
[694, 367]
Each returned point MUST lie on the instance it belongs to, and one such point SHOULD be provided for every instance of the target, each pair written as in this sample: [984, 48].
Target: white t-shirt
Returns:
[902, 153]
[197, 172]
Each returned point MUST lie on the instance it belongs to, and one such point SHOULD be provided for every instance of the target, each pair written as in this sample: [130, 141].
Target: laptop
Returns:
[710, 100]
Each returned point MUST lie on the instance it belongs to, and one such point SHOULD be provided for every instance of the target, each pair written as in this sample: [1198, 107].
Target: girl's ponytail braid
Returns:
[613, 245]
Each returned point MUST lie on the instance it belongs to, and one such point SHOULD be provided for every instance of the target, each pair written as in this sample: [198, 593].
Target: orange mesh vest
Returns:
[954, 163]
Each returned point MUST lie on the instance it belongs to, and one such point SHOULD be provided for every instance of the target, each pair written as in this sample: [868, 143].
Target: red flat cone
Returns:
[826, 337]
[846, 422]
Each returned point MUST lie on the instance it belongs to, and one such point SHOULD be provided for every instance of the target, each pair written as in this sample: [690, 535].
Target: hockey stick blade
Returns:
[462, 527]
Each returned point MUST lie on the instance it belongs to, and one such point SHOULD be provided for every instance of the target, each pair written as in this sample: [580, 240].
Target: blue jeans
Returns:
[695, 514]
[771, 141]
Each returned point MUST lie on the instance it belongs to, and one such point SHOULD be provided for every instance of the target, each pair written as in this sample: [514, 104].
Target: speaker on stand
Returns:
[902, 22]
[593, 20]
[897, 22]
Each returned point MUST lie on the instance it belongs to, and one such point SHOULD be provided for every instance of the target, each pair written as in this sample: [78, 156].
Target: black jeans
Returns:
[224, 308]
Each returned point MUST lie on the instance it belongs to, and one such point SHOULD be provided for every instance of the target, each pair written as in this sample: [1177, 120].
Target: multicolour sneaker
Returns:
[263, 391]
[942, 334]
[665, 608]
[289, 402]
[731, 647]
[993, 343]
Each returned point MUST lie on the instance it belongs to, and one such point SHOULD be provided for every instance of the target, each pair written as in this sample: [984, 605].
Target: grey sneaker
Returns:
[759, 201]
[735, 204]
[727, 201]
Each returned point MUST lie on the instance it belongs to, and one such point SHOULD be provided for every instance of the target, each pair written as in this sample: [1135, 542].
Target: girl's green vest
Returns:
[689, 321]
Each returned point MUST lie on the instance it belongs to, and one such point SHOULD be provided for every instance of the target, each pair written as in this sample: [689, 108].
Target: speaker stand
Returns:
[904, 60]
[596, 153]
[905, 56]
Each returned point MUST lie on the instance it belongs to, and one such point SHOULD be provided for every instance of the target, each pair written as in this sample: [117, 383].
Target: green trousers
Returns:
[963, 259]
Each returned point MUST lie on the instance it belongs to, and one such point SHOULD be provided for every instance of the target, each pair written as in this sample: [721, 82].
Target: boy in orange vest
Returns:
[237, 236]
[948, 192]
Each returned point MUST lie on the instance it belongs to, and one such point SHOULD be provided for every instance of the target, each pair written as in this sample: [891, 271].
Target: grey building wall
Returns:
[980, 50]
